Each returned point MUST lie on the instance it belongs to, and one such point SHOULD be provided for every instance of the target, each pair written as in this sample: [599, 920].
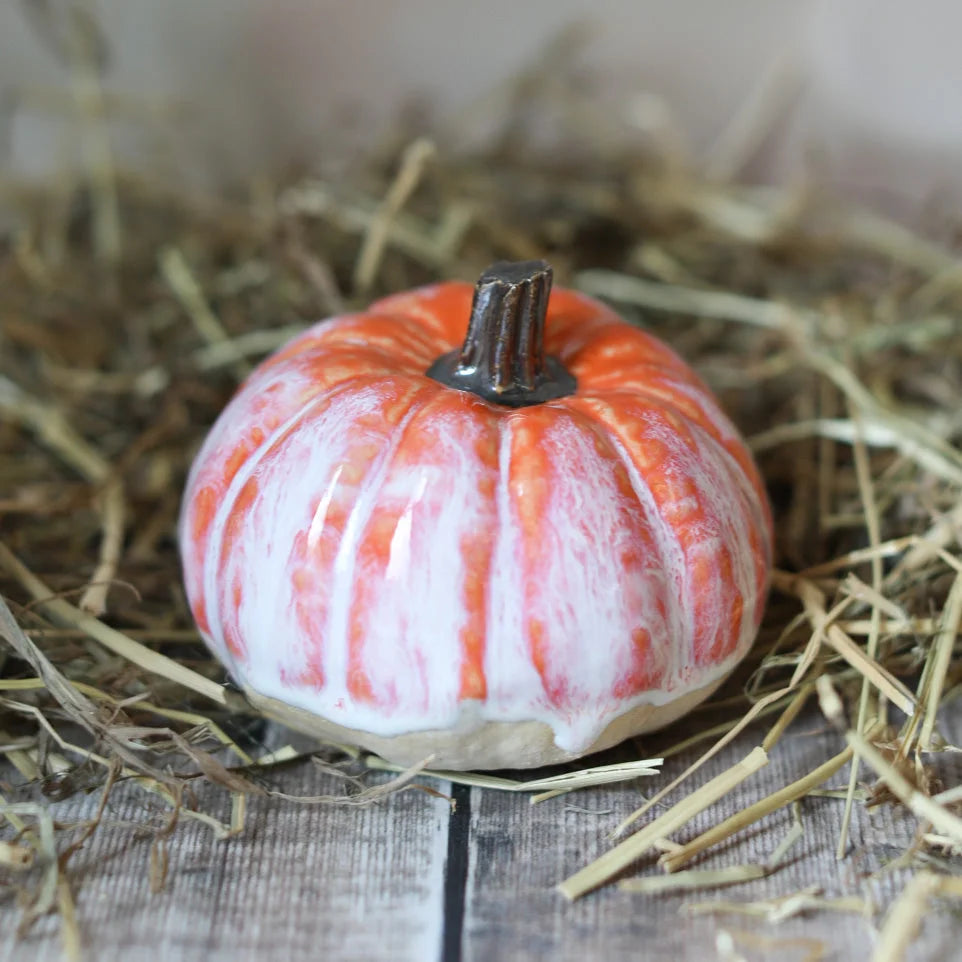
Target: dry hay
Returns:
[131, 310]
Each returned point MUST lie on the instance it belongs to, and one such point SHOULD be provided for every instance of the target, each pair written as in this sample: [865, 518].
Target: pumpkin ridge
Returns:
[751, 588]
[755, 507]
[664, 402]
[655, 673]
[443, 308]
[588, 378]
[349, 330]
[215, 547]
[703, 488]
[341, 648]
[668, 544]
[416, 461]
[252, 414]
[347, 351]
[608, 347]
[588, 582]
[707, 419]
[508, 669]
[748, 483]
[404, 334]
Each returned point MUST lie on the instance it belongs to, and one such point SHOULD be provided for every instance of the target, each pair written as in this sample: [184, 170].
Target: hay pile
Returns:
[130, 312]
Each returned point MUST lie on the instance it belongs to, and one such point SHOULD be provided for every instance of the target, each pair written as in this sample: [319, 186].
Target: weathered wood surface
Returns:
[407, 880]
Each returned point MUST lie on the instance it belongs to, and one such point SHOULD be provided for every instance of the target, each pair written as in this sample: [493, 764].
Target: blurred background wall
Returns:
[867, 91]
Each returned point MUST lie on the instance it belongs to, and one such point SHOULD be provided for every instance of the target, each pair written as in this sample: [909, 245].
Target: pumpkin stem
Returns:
[503, 359]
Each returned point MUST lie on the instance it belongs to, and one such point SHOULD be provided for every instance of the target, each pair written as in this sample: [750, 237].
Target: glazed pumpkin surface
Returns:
[394, 555]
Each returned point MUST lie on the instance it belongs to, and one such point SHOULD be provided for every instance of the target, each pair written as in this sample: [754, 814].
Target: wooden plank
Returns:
[520, 852]
[302, 883]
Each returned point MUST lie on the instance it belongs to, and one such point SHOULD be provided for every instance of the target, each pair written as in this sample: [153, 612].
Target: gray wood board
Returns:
[407, 880]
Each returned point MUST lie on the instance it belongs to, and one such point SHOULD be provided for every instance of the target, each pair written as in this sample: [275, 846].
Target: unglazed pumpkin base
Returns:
[492, 745]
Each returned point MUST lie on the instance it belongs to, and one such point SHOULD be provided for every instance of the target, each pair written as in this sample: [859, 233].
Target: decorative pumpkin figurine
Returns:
[505, 554]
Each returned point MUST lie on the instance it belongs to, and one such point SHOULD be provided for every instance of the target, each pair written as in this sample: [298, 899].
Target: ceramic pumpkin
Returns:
[489, 525]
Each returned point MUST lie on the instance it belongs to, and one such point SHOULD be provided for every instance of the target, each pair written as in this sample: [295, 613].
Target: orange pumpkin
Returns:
[507, 553]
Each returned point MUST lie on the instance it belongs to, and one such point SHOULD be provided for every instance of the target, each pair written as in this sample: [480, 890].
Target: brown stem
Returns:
[503, 359]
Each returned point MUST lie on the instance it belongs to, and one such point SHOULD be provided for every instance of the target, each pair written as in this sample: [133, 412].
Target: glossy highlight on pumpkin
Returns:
[395, 556]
